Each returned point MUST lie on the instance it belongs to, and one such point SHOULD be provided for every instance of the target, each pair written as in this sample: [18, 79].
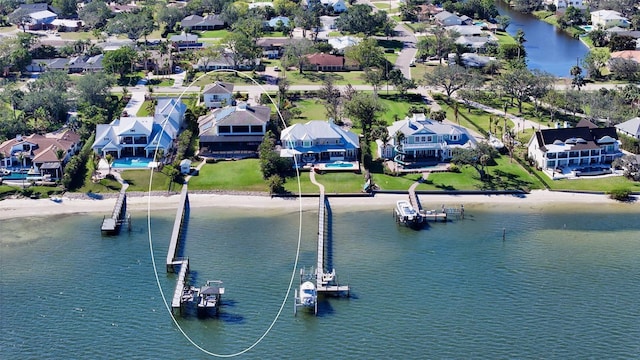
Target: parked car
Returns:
[275, 68]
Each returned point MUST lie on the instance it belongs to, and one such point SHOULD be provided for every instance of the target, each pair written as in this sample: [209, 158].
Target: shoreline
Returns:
[537, 199]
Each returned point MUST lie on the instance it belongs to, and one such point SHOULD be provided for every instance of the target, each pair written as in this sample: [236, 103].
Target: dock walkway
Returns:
[111, 225]
[326, 282]
[177, 301]
[427, 215]
[178, 223]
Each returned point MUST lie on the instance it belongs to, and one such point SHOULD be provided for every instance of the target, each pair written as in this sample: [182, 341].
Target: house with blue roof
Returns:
[418, 138]
[141, 136]
[319, 141]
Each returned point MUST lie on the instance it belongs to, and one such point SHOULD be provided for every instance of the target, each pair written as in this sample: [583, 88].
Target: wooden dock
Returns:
[181, 283]
[426, 215]
[326, 282]
[111, 225]
[176, 235]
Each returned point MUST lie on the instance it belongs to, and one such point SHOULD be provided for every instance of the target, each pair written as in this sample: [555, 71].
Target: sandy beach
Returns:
[18, 208]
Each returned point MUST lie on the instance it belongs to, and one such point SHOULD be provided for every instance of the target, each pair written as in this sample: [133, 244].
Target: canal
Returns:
[548, 48]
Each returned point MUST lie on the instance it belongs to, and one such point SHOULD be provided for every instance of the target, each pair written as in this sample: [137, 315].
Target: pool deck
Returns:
[355, 167]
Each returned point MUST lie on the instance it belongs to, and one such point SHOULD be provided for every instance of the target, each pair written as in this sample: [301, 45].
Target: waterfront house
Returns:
[197, 22]
[319, 141]
[585, 144]
[445, 18]
[605, 19]
[419, 138]
[633, 55]
[40, 152]
[233, 130]
[630, 128]
[217, 94]
[141, 136]
[562, 5]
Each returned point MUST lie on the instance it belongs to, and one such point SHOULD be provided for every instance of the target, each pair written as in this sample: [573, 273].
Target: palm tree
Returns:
[109, 159]
[60, 154]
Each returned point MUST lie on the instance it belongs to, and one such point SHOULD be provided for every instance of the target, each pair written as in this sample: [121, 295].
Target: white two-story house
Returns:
[319, 141]
[218, 94]
[420, 139]
[585, 144]
[141, 136]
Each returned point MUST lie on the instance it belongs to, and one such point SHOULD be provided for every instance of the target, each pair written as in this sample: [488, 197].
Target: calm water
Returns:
[560, 286]
[548, 48]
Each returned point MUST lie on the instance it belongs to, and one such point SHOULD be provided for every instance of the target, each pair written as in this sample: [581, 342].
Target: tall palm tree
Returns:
[109, 159]
[60, 154]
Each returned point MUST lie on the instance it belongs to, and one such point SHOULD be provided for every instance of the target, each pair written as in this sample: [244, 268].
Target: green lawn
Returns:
[391, 57]
[7, 29]
[306, 186]
[584, 184]
[418, 71]
[312, 109]
[382, 5]
[145, 110]
[505, 38]
[227, 77]
[168, 82]
[209, 34]
[340, 182]
[335, 34]
[139, 181]
[318, 77]
[241, 175]
[80, 35]
[397, 108]
[103, 186]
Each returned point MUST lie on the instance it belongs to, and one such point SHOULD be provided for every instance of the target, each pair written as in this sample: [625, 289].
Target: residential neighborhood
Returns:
[182, 179]
[192, 82]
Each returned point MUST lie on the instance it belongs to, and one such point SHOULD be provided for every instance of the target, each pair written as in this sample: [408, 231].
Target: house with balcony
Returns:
[319, 141]
[233, 131]
[605, 19]
[141, 136]
[564, 149]
[420, 139]
[42, 154]
[218, 94]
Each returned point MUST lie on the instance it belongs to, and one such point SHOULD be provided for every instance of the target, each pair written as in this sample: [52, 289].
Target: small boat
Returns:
[307, 297]
[405, 211]
[406, 214]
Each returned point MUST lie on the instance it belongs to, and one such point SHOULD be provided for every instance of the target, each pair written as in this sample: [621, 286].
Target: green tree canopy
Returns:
[119, 61]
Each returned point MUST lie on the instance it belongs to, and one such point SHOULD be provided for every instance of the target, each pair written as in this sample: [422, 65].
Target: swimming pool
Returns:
[131, 163]
[338, 164]
[586, 28]
[14, 176]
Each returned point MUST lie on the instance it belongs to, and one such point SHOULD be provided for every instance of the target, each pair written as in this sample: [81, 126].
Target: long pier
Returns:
[326, 282]
[111, 225]
[176, 235]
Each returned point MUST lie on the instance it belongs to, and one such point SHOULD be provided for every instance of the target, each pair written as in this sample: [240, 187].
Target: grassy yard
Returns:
[312, 109]
[382, 5]
[584, 184]
[139, 181]
[227, 77]
[505, 38]
[212, 34]
[242, 175]
[80, 35]
[100, 187]
[391, 57]
[418, 71]
[168, 82]
[318, 77]
[397, 108]
[340, 182]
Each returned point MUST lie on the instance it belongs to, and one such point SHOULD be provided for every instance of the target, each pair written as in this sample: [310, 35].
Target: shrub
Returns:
[454, 168]
[620, 194]
[276, 184]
